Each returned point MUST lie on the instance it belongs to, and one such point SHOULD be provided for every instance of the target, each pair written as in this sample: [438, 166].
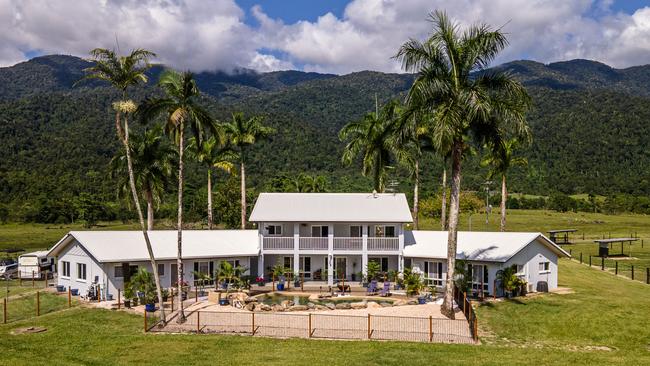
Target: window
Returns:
[319, 231]
[288, 263]
[274, 230]
[355, 231]
[520, 269]
[161, 269]
[383, 262]
[433, 272]
[305, 266]
[544, 267]
[479, 275]
[408, 263]
[81, 271]
[385, 231]
[65, 266]
[202, 268]
[118, 272]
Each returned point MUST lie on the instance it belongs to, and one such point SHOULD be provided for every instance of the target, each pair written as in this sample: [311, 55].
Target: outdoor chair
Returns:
[386, 290]
[372, 288]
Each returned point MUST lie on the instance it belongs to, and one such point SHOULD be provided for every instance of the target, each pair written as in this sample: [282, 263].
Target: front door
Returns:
[340, 264]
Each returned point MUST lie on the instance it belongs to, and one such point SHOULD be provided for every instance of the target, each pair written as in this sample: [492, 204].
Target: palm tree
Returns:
[123, 72]
[213, 154]
[243, 134]
[181, 110]
[376, 137]
[468, 103]
[153, 167]
[500, 160]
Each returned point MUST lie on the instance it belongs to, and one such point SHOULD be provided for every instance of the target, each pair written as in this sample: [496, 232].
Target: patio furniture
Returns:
[318, 275]
[344, 288]
[386, 290]
[372, 288]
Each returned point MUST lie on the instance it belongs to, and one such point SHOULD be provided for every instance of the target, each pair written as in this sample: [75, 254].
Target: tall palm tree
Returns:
[214, 154]
[182, 111]
[244, 133]
[154, 161]
[377, 138]
[124, 72]
[500, 159]
[469, 104]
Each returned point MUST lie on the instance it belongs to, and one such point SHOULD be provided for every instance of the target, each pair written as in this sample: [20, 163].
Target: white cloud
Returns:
[208, 35]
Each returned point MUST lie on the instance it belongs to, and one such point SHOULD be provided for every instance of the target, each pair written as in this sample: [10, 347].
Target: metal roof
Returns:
[615, 240]
[562, 231]
[331, 207]
[38, 254]
[118, 246]
[474, 245]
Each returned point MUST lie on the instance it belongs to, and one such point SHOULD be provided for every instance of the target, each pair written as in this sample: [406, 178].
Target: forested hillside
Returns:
[589, 121]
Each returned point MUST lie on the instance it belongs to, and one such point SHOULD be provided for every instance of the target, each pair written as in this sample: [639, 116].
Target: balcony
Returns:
[313, 243]
[348, 243]
[378, 244]
[279, 243]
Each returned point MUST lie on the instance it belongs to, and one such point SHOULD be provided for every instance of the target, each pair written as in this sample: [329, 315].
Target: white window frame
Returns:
[306, 274]
[275, 229]
[380, 260]
[321, 231]
[65, 269]
[520, 270]
[360, 231]
[476, 285]
[162, 266]
[207, 264]
[120, 268]
[435, 277]
[380, 231]
[85, 272]
[544, 267]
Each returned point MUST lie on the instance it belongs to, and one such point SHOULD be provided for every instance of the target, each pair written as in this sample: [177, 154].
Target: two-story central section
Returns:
[331, 236]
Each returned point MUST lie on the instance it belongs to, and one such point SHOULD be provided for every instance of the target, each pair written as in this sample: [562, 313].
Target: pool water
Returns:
[304, 300]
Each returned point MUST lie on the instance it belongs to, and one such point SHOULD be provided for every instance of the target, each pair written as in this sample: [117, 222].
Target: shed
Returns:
[604, 245]
[561, 236]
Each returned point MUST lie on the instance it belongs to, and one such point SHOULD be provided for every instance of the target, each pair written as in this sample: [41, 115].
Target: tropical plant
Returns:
[201, 278]
[230, 274]
[413, 282]
[508, 280]
[373, 268]
[500, 159]
[462, 279]
[279, 270]
[468, 104]
[376, 137]
[213, 154]
[124, 72]
[153, 161]
[243, 133]
[181, 110]
[143, 285]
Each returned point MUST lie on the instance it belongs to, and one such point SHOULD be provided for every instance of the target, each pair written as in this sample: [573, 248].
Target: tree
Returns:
[123, 72]
[154, 161]
[376, 137]
[181, 110]
[500, 159]
[468, 103]
[243, 133]
[213, 154]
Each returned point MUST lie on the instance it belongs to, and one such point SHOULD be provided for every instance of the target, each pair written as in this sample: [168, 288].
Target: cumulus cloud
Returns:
[209, 35]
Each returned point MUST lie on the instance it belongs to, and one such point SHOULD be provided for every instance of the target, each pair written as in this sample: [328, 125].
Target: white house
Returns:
[321, 236]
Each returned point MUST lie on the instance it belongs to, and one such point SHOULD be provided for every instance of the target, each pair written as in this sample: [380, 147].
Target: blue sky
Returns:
[333, 36]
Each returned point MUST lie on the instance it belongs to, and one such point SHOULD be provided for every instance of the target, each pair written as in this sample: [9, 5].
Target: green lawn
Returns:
[604, 311]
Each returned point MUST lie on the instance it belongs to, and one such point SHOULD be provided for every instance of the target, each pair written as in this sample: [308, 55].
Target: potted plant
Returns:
[165, 294]
[200, 279]
[260, 281]
[278, 272]
[296, 280]
[508, 280]
[128, 295]
[373, 268]
[413, 282]
[142, 283]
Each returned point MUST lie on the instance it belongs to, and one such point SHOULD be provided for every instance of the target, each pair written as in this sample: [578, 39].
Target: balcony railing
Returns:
[348, 243]
[279, 243]
[383, 244]
[313, 243]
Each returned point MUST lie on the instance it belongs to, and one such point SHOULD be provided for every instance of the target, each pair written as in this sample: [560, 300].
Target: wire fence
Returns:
[615, 265]
[323, 326]
[34, 304]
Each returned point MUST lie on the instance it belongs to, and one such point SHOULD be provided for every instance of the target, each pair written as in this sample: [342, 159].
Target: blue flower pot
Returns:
[223, 302]
[422, 300]
[60, 288]
[280, 286]
[150, 308]
[74, 291]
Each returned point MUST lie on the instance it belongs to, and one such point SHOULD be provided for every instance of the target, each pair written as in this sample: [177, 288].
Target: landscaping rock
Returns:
[343, 306]
[412, 302]
[399, 303]
[320, 307]
[250, 299]
[372, 305]
[277, 307]
[298, 308]
[286, 303]
[330, 306]
[385, 304]
[314, 297]
[310, 305]
[250, 306]
[358, 305]
[265, 307]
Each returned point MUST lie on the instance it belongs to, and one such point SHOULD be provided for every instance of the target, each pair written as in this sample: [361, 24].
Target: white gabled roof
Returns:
[38, 254]
[331, 207]
[473, 245]
[124, 246]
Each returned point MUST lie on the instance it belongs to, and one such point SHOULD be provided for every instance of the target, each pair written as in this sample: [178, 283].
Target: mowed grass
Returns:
[24, 306]
[603, 322]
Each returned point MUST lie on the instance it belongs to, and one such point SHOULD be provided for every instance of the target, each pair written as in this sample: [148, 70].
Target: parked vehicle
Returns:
[9, 270]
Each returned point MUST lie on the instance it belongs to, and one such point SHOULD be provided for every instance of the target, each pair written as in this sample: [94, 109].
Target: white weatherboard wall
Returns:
[530, 256]
[75, 253]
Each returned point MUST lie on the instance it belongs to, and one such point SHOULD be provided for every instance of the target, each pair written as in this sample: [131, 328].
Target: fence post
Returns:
[580, 257]
[119, 298]
[198, 322]
[45, 278]
[430, 328]
[647, 275]
[172, 297]
[33, 283]
[69, 297]
[632, 272]
[253, 323]
[368, 326]
[494, 290]
[302, 281]
[590, 261]
[475, 328]
[465, 303]
[602, 263]
[616, 270]
[196, 294]
[4, 311]
[38, 303]
[309, 334]
[571, 252]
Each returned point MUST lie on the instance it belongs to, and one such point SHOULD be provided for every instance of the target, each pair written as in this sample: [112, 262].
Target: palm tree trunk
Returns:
[504, 198]
[454, 201]
[443, 209]
[416, 197]
[124, 137]
[149, 196]
[209, 198]
[179, 257]
[243, 193]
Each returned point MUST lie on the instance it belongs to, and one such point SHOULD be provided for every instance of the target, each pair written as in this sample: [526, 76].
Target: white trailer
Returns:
[34, 264]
